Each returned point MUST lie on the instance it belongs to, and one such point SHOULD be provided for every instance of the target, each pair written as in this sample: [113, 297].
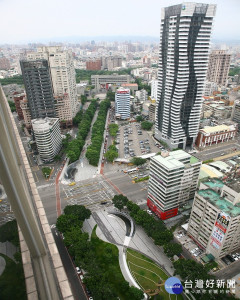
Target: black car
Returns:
[224, 259]
[229, 257]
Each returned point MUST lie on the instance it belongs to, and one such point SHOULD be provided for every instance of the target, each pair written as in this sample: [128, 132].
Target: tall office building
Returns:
[183, 61]
[122, 103]
[38, 85]
[63, 80]
[173, 182]
[218, 67]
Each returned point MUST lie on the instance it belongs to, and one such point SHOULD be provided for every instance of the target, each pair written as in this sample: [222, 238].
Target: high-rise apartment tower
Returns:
[218, 67]
[183, 61]
[38, 85]
[63, 80]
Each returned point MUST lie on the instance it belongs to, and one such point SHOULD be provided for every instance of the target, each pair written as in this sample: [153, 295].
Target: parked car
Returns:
[149, 212]
[78, 270]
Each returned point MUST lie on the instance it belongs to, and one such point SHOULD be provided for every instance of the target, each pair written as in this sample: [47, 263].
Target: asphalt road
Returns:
[229, 272]
[104, 229]
[76, 285]
[216, 151]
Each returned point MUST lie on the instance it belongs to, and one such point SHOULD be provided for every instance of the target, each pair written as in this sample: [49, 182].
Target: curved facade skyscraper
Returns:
[183, 62]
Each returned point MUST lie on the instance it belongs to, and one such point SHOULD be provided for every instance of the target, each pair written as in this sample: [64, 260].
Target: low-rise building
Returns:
[133, 87]
[212, 135]
[173, 181]
[106, 81]
[142, 95]
[215, 217]
[48, 137]
[17, 100]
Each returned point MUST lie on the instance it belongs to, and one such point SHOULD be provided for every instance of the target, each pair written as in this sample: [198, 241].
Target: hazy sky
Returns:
[32, 21]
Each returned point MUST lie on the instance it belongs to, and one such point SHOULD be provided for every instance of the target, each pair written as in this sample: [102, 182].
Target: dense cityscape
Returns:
[120, 164]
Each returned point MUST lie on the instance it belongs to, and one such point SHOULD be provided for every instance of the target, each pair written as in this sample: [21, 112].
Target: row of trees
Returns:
[113, 129]
[93, 151]
[18, 79]
[112, 153]
[74, 147]
[98, 266]
[154, 228]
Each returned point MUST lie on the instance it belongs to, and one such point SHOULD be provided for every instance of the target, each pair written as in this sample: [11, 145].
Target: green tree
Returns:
[120, 201]
[139, 118]
[12, 106]
[146, 125]
[111, 96]
[172, 249]
[190, 270]
[18, 79]
[9, 232]
[111, 155]
[67, 222]
[80, 211]
[113, 129]
[135, 293]
[138, 161]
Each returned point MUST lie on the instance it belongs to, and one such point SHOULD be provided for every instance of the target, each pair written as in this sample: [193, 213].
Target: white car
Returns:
[81, 277]
[78, 270]
[149, 212]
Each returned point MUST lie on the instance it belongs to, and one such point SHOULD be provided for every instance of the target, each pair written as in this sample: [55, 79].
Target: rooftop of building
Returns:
[213, 182]
[220, 202]
[175, 158]
[130, 84]
[218, 128]
[44, 121]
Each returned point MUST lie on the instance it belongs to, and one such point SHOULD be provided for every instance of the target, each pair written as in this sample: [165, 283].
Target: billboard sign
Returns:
[220, 229]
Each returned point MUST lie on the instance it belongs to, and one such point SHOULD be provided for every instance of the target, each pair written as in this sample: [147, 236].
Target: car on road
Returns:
[222, 154]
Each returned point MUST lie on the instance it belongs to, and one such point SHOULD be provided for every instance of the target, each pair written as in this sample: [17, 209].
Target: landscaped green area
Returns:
[99, 259]
[142, 179]
[93, 151]
[46, 171]
[74, 147]
[147, 273]
[12, 281]
[111, 267]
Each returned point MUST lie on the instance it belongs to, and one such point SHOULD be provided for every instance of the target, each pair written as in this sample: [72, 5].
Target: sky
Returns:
[25, 21]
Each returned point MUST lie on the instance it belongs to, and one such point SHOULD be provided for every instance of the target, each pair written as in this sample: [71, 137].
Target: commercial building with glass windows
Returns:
[122, 103]
[173, 182]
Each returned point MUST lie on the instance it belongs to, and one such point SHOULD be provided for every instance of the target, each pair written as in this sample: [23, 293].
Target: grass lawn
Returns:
[147, 273]
[12, 281]
[111, 269]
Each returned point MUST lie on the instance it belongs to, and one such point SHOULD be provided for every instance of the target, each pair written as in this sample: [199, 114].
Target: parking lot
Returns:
[132, 141]
[189, 244]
